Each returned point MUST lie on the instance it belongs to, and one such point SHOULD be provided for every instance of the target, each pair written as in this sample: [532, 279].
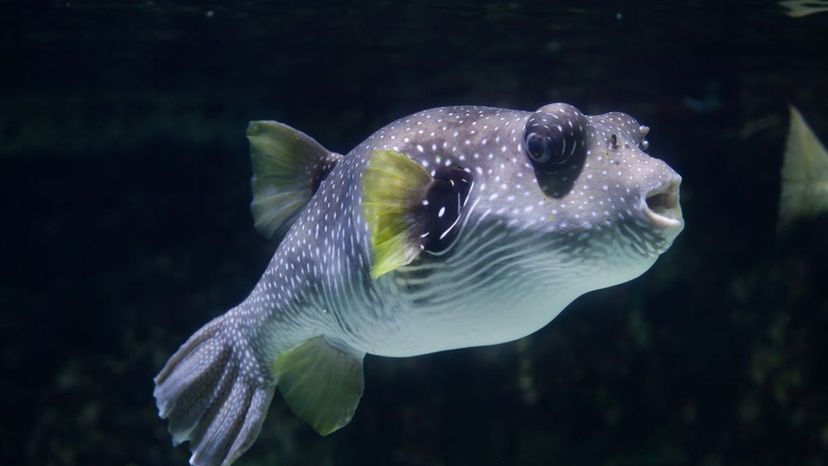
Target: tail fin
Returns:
[209, 400]
[804, 174]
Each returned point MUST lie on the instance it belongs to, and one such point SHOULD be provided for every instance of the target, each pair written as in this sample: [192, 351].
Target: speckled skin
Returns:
[595, 235]
[527, 244]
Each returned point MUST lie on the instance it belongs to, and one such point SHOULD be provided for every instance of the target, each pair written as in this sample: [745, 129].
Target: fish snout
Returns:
[661, 205]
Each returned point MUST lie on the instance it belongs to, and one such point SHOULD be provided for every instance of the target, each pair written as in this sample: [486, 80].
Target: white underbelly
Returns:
[487, 320]
[487, 316]
[488, 293]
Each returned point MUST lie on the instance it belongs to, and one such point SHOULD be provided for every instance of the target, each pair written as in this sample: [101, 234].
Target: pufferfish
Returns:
[449, 228]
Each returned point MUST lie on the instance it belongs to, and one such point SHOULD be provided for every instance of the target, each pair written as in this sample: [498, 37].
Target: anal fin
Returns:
[321, 381]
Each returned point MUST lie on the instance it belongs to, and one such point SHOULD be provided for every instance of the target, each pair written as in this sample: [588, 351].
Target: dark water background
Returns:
[124, 180]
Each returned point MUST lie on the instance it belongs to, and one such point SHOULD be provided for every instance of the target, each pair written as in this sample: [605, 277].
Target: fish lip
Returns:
[661, 205]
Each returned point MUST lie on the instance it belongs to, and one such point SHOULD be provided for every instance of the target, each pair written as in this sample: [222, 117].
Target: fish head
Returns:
[585, 189]
[493, 220]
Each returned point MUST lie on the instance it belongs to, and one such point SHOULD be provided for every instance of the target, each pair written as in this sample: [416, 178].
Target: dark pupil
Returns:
[535, 147]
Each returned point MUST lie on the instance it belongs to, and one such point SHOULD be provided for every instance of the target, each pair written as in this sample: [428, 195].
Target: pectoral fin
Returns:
[409, 210]
[393, 186]
[321, 382]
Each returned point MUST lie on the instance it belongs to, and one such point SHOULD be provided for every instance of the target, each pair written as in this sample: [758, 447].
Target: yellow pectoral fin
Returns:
[393, 185]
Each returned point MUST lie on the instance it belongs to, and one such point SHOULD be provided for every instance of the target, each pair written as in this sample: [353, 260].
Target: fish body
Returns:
[449, 228]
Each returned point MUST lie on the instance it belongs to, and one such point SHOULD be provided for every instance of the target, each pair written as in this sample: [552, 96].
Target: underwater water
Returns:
[125, 187]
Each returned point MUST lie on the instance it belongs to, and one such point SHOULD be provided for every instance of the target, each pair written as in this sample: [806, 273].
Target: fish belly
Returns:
[416, 330]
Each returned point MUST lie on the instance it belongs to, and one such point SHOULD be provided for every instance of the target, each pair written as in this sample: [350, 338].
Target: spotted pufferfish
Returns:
[449, 228]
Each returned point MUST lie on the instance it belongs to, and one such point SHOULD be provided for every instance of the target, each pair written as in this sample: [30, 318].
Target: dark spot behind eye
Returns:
[446, 198]
[613, 141]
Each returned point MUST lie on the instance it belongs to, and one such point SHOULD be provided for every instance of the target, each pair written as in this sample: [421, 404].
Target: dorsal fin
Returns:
[288, 167]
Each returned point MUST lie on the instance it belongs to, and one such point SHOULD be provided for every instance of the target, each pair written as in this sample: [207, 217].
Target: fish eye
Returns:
[553, 135]
[645, 144]
[536, 148]
[548, 146]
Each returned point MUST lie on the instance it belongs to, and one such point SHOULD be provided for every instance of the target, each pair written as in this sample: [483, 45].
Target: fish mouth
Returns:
[662, 208]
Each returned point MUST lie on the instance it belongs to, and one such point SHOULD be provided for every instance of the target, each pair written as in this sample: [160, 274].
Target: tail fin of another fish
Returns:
[209, 399]
[804, 174]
